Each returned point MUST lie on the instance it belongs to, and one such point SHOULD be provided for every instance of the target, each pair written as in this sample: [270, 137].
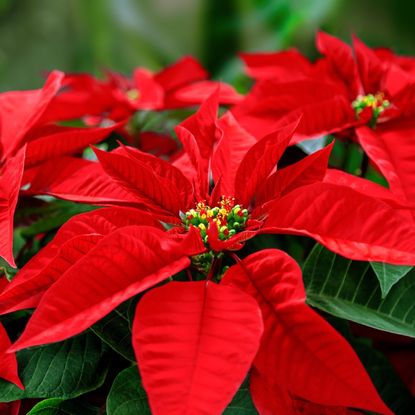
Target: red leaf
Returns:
[324, 107]
[259, 162]
[197, 92]
[10, 181]
[300, 351]
[345, 221]
[66, 142]
[231, 149]
[371, 68]
[199, 166]
[309, 170]
[367, 187]
[77, 180]
[27, 291]
[341, 60]
[285, 66]
[10, 408]
[195, 343]
[123, 264]
[271, 400]
[72, 242]
[392, 150]
[20, 110]
[149, 180]
[8, 362]
[203, 126]
[186, 70]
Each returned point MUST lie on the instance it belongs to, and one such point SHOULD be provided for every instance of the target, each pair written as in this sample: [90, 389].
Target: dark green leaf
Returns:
[127, 396]
[350, 290]
[56, 406]
[115, 329]
[241, 403]
[6, 270]
[61, 370]
[388, 275]
[52, 216]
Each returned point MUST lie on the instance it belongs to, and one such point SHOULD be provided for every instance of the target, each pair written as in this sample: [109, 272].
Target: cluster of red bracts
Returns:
[196, 341]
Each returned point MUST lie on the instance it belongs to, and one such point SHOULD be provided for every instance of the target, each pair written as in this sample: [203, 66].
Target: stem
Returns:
[189, 274]
[364, 165]
[212, 269]
[235, 257]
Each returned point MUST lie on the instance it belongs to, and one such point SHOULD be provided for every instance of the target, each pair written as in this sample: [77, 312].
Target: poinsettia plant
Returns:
[192, 262]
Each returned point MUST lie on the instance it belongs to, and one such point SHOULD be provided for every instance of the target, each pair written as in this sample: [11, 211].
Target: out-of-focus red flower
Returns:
[183, 84]
[367, 95]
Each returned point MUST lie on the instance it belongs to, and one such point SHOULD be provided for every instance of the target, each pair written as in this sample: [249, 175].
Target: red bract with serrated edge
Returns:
[99, 259]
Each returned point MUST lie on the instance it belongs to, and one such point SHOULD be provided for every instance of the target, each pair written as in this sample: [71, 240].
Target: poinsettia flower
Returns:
[8, 362]
[360, 93]
[129, 246]
[346, 88]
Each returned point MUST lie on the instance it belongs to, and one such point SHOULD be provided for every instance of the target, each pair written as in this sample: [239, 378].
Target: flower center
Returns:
[229, 218]
[132, 94]
[374, 103]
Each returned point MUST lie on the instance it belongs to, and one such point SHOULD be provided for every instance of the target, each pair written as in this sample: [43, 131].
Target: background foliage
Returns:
[78, 35]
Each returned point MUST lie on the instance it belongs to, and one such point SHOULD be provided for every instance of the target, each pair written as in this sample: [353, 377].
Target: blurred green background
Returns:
[89, 35]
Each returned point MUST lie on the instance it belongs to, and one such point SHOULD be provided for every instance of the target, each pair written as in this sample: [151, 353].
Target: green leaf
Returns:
[388, 275]
[115, 329]
[51, 216]
[127, 396]
[350, 290]
[242, 402]
[56, 406]
[6, 270]
[61, 370]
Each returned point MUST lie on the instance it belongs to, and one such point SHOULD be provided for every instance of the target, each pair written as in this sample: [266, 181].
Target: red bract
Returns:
[340, 94]
[300, 353]
[195, 343]
[8, 362]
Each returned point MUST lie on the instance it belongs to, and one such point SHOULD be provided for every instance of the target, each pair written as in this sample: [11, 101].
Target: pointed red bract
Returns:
[259, 162]
[271, 400]
[20, 110]
[77, 180]
[299, 350]
[148, 182]
[8, 362]
[231, 149]
[392, 149]
[10, 179]
[345, 221]
[309, 170]
[72, 242]
[63, 142]
[195, 342]
[123, 264]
